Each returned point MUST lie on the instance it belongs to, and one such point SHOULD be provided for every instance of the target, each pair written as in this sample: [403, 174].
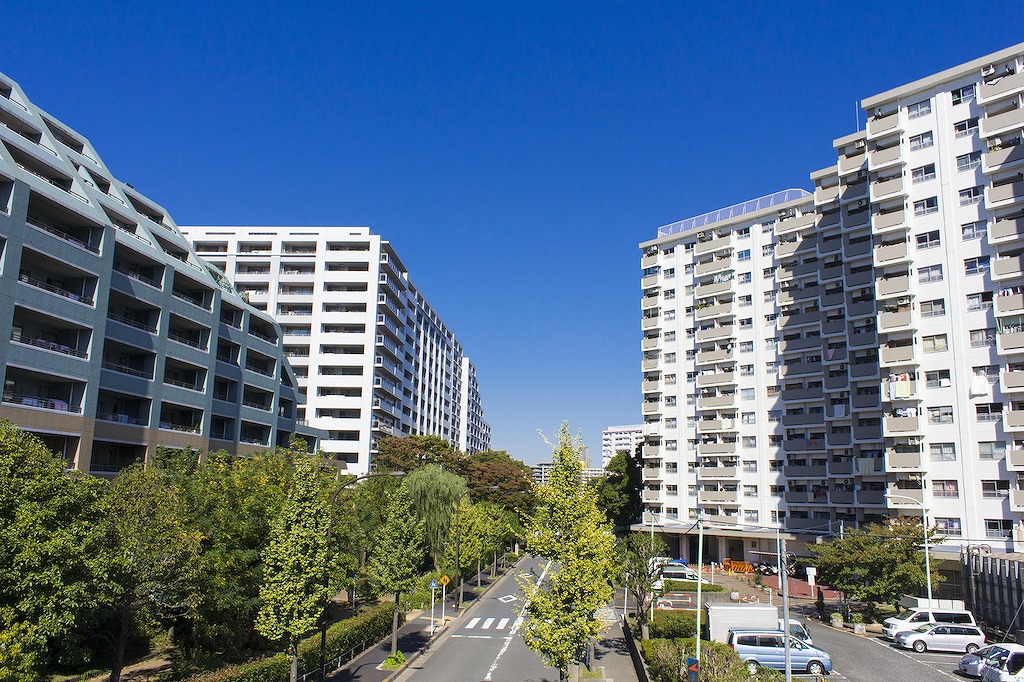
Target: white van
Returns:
[913, 618]
[1005, 663]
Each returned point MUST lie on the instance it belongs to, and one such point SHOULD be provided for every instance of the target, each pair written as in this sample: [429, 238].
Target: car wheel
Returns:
[920, 647]
[971, 648]
[752, 667]
[815, 668]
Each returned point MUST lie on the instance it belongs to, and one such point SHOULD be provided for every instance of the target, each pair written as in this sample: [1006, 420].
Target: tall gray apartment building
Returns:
[373, 356]
[121, 338]
[821, 360]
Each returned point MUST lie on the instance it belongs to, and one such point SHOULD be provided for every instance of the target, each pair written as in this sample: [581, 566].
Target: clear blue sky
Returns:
[515, 154]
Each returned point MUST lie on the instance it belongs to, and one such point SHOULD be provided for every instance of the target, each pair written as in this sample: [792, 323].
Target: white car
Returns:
[1005, 665]
[941, 637]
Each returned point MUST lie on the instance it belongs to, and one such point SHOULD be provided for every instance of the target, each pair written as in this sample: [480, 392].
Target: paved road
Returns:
[485, 645]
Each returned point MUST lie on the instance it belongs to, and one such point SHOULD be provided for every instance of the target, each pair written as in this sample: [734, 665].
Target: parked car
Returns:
[767, 648]
[796, 629]
[1006, 664]
[970, 664]
[912, 618]
[941, 637]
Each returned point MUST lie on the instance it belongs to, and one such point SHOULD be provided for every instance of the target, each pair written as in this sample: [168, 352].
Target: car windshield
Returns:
[925, 628]
[905, 614]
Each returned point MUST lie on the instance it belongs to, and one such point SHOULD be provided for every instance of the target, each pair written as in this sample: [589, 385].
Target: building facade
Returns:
[542, 473]
[373, 356]
[616, 438]
[121, 338]
[856, 352]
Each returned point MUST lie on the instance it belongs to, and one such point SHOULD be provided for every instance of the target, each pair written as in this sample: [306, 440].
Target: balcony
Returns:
[717, 497]
[794, 223]
[854, 249]
[1008, 267]
[715, 333]
[860, 309]
[649, 281]
[902, 425]
[1012, 382]
[649, 261]
[712, 245]
[712, 289]
[651, 451]
[808, 245]
[1015, 458]
[887, 188]
[1010, 341]
[1004, 195]
[1013, 420]
[915, 494]
[833, 300]
[824, 195]
[650, 343]
[893, 286]
[1002, 159]
[889, 321]
[833, 327]
[715, 378]
[717, 265]
[796, 345]
[715, 425]
[890, 220]
[804, 444]
[728, 448]
[855, 189]
[651, 323]
[899, 390]
[713, 311]
[652, 473]
[1013, 303]
[903, 460]
[652, 407]
[862, 432]
[1007, 229]
[881, 158]
[799, 394]
[716, 472]
[872, 497]
[1001, 87]
[800, 319]
[651, 385]
[841, 496]
[889, 253]
[800, 471]
[841, 468]
[800, 369]
[1017, 500]
[650, 364]
[851, 163]
[797, 271]
[652, 495]
[708, 356]
[879, 125]
[800, 497]
[865, 401]
[992, 125]
[802, 419]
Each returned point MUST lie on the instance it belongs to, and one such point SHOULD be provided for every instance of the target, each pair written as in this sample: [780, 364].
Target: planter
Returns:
[837, 620]
[859, 628]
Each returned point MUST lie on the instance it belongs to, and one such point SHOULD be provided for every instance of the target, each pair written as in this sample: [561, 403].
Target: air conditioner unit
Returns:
[860, 144]
[842, 366]
[861, 203]
[903, 300]
[988, 70]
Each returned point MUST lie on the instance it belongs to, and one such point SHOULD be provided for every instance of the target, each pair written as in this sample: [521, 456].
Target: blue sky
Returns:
[515, 154]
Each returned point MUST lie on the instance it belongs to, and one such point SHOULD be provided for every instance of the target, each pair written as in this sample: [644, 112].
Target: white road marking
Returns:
[916, 660]
[487, 623]
[472, 637]
[502, 623]
[472, 624]
[515, 629]
[507, 598]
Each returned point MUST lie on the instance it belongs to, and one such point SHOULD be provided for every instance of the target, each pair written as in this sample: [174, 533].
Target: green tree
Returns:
[53, 556]
[294, 562]
[494, 476]
[880, 563]
[434, 493]
[638, 572]
[618, 492]
[569, 529]
[397, 554]
[407, 453]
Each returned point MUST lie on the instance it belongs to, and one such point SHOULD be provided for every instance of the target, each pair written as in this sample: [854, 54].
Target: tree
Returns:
[295, 562]
[397, 554]
[494, 476]
[878, 564]
[569, 529]
[638, 572]
[53, 556]
[618, 492]
[407, 453]
[434, 493]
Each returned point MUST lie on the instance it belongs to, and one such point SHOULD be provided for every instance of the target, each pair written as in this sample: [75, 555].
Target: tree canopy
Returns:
[434, 494]
[618, 492]
[637, 571]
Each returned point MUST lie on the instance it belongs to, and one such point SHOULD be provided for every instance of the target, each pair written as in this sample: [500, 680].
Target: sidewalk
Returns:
[612, 655]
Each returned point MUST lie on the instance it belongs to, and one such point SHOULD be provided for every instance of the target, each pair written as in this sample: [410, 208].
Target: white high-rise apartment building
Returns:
[616, 438]
[373, 356]
[857, 352]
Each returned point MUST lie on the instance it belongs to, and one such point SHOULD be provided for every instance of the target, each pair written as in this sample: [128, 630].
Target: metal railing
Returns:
[47, 345]
[55, 289]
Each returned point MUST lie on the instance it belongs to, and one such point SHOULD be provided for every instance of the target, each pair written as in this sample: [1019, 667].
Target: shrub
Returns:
[394, 661]
[690, 586]
[718, 661]
[674, 625]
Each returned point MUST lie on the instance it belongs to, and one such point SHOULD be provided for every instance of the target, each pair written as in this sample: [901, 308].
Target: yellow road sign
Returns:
[444, 580]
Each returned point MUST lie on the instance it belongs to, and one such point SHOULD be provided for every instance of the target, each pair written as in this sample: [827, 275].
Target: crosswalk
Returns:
[486, 623]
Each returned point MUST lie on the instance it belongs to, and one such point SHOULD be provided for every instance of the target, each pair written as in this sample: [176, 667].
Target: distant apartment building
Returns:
[120, 338]
[857, 352]
[616, 438]
[374, 358]
[542, 473]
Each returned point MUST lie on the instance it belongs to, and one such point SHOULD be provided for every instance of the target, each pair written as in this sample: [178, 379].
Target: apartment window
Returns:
[691, 377]
[995, 488]
[994, 449]
[928, 240]
[919, 109]
[688, 268]
[671, 336]
[670, 401]
[942, 452]
[929, 273]
[934, 344]
[768, 273]
[771, 317]
[983, 338]
[750, 515]
[746, 346]
[670, 294]
[922, 173]
[922, 141]
[926, 206]
[936, 308]
[688, 246]
[746, 323]
[998, 528]
[972, 195]
[945, 488]
[746, 394]
[771, 391]
[966, 162]
[767, 227]
[750, 466]
[990, 372]
[670, 315]
[976, 230]
[769, 296]
[750, 491]
[750, 441]
[743, 233]
[691, 490]
[937, 379]
[947, 526]
[748, 418]
[670, 358]
[770, 344]
[976, 266]
[768, 249]
[670, 273]
[744, 278]
[979, 301]
[775, 416]
[746, 370]
[691, 399]
[940, 415]
[966, 127]
[989, 412]
[745, 301]
[964, 94]
[775, 440]
[771, 367]
[672, 490]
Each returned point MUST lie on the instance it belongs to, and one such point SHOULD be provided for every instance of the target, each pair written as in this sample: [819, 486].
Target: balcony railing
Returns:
[125, 369]
[36, 401]
[47, 345]
[55, 289]
[131, 323]
[60, 234]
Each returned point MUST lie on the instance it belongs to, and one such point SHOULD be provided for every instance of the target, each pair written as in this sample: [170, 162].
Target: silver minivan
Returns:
[914, 618]
[768, 648]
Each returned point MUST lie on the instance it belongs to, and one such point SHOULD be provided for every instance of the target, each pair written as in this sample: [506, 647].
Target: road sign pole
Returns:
[433, 591]
[444, 597]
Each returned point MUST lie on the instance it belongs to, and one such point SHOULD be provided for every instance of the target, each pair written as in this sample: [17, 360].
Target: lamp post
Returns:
[924, 522]
[327, 563]
[780, 548]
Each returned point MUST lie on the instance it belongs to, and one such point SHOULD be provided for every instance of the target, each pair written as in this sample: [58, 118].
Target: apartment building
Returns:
[542, 473]
[121, 338]
[856, 352]
[371, 353]
[616, 438]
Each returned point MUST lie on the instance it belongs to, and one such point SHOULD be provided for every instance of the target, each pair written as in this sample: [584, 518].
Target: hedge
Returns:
[690, 586]
[718, 661]
[370, 625]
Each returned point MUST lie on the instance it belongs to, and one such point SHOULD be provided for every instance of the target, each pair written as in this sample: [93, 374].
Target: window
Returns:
[746, 323]
[768, 249]
[928, 240]
[940, 415]
[922, 141]
[750, 491]
[976, 230]
[990, 372]
[989, 412]
[746, 394]
[746, 370]
[998, 528]
[746, 346]
[771, 391]
[744, 301]
[945, 489]
[976, 265]
[770, 344]
[983, 338]
[929, 273]
[750, 466]
[743, 233]
[769, 296]
[688, 269]
[919, 109]
[934, 344]
[922, 173]
[775, 416]
[768, 273]
[748, 418]
[671, 336]
[775, 440]
[691, 490]
[966, 127]
[750, 441]
[672, 490]
[942, 452]
[992, 450]
[947, 526]
[771, 317]
[980, 301]
[968, 161]
[964, 94]
[750, 515]
[670, 273]
[771, 367]
[936, 308]
[937, 379]
[688, 246]
[743, 255]
[995, 488]
[744, 278]
[926, 206]
[972, 195]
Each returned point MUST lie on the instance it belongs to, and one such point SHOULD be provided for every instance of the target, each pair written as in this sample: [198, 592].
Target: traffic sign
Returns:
[444, 580]
[433, 584]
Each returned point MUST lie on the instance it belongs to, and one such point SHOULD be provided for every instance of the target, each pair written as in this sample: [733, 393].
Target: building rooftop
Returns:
[733, 211]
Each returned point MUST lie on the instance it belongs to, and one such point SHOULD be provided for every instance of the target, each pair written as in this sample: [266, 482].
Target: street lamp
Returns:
[327, 564]
[924, 522]
[783, 585]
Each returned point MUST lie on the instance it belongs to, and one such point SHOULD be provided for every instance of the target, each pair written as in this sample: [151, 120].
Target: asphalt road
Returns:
[484, 645]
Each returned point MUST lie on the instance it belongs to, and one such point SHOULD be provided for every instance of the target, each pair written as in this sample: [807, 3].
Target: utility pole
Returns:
[785, 610]
[700, 566]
